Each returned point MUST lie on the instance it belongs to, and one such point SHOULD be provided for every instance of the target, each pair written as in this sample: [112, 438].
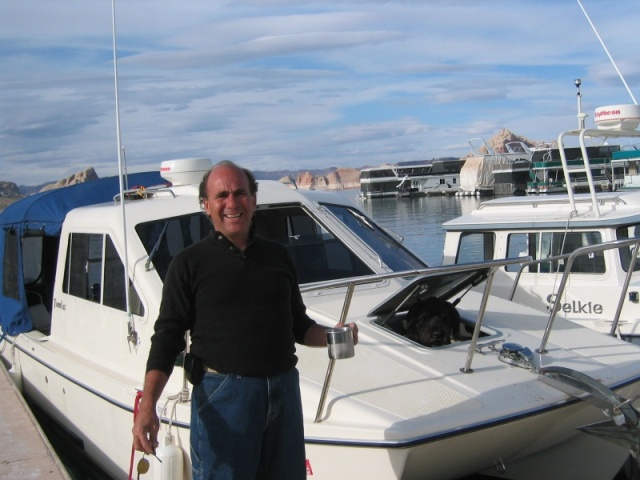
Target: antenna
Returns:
[132, 334]
[607, 52]
[581, 116]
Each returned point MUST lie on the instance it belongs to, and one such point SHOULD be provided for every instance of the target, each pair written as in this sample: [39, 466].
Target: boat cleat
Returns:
[517, 355]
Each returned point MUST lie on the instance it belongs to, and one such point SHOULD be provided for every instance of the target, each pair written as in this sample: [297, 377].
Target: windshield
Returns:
[391, 252]
[317, 253]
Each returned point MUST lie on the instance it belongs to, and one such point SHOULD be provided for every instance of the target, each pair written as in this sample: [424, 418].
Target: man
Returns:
[238, 295]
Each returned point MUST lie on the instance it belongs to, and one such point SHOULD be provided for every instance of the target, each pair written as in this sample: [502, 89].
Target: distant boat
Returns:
[429, 177]
[487, 172]
[626, 168]
[548, 176]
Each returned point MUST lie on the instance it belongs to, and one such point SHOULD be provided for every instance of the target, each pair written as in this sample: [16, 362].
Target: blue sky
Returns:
[295, 84]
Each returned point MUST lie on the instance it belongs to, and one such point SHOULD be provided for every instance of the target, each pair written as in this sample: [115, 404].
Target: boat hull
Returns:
[511, 447]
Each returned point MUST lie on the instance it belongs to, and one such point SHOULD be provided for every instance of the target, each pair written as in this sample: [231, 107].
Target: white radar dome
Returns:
[184, 171]
[618, 117]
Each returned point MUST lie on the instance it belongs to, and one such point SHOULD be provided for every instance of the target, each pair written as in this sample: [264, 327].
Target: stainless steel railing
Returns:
[351, 283]
[601, 247]
[491, 267]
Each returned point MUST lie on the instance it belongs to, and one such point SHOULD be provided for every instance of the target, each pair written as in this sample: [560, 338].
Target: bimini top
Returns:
[42, 215]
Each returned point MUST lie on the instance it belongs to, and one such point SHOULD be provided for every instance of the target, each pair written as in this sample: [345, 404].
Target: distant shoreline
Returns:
[6, 201]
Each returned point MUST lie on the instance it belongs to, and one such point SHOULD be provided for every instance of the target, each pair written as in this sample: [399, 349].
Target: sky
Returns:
[296, 84]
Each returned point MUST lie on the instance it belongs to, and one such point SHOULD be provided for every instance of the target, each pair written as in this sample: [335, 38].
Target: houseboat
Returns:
[432, 177]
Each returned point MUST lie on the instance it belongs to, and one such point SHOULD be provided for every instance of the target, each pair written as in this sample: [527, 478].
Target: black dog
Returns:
[432, 322]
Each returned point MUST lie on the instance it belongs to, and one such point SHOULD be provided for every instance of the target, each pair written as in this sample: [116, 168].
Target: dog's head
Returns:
[432, 322]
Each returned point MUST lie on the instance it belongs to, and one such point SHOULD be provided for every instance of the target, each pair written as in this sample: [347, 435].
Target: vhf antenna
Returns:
[607, 52]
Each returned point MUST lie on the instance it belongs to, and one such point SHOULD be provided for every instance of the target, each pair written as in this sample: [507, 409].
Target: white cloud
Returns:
[296, 84]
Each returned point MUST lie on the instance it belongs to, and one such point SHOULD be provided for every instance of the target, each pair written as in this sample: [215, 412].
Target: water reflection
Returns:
[419, 220]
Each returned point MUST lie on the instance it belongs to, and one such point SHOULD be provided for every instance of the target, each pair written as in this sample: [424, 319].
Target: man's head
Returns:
[228, 196]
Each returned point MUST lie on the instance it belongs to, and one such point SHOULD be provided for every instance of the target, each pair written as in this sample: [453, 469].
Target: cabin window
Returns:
[10, 286]
[163, 238]
[522, 245]
[543, 245]
[475, 247]
[32, 247]
[625, 233]
[94, 272]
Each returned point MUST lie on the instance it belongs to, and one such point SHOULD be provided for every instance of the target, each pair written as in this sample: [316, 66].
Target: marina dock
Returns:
[25, 451]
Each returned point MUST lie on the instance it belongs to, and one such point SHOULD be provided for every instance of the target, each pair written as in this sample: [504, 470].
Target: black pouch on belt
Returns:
[194, 368]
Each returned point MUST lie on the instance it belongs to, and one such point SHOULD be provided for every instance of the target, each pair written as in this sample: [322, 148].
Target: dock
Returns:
[25, 451]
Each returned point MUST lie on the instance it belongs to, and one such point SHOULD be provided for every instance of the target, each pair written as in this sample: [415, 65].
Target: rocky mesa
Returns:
[340, 178]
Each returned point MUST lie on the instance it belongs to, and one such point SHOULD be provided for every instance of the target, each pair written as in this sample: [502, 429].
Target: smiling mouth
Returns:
[237, 215]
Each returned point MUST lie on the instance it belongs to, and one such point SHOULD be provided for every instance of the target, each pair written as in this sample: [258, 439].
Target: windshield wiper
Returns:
[362, 219]
[155, 248]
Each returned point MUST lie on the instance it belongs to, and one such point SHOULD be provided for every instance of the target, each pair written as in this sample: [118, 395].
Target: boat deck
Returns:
[25, 451]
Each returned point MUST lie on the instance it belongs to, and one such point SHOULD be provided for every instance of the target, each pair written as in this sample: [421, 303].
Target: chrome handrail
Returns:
[352, 282]
[567, 271]
[530, 263]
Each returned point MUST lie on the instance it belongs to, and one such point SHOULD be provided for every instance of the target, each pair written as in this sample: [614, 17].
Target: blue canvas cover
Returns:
[44, 213]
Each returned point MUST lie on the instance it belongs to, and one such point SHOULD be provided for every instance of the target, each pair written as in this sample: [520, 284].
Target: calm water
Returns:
[418, 219]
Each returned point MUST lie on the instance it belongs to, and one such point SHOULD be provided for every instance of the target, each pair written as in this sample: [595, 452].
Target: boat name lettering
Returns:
[59, 304]
[606, 113]
[576, 306]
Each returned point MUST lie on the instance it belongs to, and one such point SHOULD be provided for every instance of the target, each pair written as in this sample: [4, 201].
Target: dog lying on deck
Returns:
[432, 322]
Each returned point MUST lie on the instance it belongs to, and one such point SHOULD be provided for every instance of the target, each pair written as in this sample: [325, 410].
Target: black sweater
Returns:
[244, 309]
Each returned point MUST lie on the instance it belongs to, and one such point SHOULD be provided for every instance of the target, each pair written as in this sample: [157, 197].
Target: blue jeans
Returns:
[246, 428]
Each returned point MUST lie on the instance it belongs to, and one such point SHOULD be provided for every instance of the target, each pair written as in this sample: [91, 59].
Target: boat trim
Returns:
[83, 385]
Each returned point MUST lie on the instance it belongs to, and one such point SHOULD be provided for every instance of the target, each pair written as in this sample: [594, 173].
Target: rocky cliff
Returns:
[80, 177]
[9, 189]
[338, 179]
[10, 192]
[498, 142]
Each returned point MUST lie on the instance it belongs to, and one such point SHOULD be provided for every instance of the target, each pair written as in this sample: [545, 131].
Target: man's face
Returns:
[230, 204]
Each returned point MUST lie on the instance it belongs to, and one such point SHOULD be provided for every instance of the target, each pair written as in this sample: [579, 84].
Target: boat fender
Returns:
[171, 459]
[15, 373]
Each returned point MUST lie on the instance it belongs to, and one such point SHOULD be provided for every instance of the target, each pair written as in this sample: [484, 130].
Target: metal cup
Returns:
[340, 343]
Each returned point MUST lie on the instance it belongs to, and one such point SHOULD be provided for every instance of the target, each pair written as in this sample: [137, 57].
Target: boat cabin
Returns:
[548, 230]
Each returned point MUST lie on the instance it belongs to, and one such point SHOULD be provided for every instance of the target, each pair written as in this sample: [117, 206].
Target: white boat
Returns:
[626, 168]
[547, 172]
[487, 172]
[603, 290]
[501, 401]
[414, 179]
